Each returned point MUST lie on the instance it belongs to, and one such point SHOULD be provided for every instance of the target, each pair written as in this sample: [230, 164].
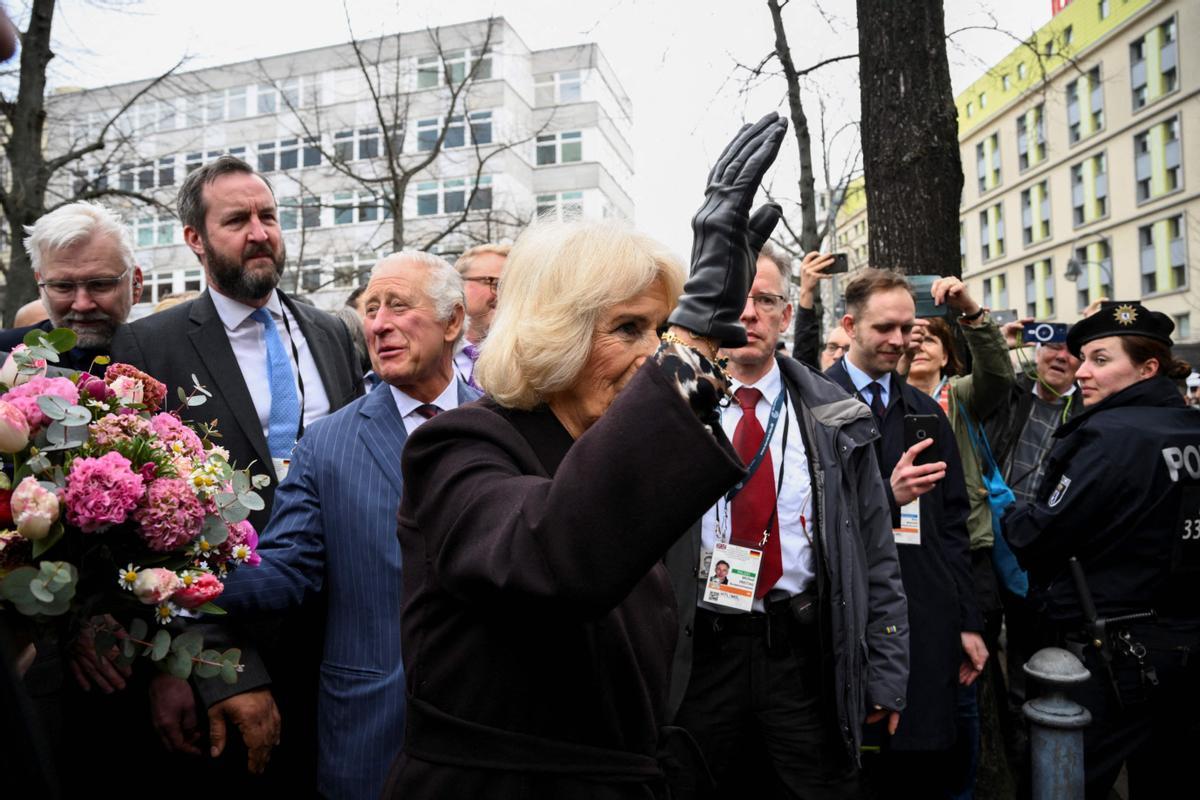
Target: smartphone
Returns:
[918, 428]
[1002, 318]
[840, 264]
[1044, 332]
[921, 286]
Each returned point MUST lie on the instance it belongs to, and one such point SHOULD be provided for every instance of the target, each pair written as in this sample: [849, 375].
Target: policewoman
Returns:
[1122, 498]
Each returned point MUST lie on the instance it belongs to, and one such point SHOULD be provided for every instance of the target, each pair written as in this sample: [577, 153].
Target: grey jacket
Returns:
[865, 613]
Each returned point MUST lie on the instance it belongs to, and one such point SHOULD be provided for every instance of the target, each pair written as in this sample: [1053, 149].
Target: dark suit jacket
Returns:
[538, 620]
[936, 574]
[190, 339]
[78, 359]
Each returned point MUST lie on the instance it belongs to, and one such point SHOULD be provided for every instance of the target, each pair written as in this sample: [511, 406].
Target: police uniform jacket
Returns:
[936, 573]
[1121, 494]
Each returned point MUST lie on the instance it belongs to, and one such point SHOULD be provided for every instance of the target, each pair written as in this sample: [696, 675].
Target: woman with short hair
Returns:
[539, 621]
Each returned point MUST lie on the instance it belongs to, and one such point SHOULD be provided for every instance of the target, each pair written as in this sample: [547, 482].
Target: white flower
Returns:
[165, 612]
[240, 553]
[126, 577]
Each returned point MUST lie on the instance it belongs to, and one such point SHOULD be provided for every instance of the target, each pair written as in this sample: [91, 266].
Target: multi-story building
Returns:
[486, 133]
[1075, 149]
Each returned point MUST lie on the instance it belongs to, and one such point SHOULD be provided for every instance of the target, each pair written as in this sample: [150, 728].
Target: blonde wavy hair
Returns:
[558, 280]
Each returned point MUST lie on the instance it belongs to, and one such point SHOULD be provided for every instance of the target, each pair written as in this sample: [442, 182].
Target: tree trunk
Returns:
[909, 137]
[25, 199]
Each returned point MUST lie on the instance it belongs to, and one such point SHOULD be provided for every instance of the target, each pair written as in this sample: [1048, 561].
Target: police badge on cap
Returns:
[1120, 318]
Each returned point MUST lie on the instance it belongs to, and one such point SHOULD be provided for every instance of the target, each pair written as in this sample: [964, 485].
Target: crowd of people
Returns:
[589, 535]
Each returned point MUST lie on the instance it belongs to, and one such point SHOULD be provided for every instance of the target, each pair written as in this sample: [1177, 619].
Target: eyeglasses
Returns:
[491, 283]
[833, 348]
[95, 287]
[766, 303]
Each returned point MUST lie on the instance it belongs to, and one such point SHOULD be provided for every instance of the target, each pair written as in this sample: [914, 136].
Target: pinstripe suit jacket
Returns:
[333, 528]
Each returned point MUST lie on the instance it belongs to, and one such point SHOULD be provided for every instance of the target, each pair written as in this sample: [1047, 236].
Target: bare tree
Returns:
[910, 137]
[35, 177]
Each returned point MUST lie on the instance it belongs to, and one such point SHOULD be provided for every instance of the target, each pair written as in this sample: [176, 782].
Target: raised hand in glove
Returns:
[726, 238]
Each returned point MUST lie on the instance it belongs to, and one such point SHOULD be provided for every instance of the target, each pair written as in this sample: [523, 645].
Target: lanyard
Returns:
[299, 373]
[756, 462]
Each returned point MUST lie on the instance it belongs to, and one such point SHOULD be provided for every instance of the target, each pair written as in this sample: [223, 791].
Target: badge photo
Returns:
[1056, 496]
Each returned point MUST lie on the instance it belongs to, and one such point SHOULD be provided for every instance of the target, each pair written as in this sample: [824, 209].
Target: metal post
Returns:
[1056, 725]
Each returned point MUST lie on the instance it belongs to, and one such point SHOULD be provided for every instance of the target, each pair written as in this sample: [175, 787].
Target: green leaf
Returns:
[206, 670]
[229, 673]
[251, 501]
[241, 482]
[181, 394]
[198, 400]
[138, 629]
[38, 463]
[160, 645]
[124, 660]
[37, 587]
[214, 531]
[128, 648]
[260, 481]
[232, 656]
[34, 337]
[76, 416]
[235, 513]
[53, 406]
[41, 546]
[180, 665]
[62, 339]
[190, 642]
[211, 608]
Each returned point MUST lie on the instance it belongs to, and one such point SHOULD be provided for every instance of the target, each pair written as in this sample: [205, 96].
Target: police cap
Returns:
[1120, 318]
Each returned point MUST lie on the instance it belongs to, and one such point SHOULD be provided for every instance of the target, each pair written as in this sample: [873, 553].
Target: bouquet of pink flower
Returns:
[111, 505]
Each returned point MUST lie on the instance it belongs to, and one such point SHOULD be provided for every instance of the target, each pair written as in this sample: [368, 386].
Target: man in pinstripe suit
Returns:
[333, 525]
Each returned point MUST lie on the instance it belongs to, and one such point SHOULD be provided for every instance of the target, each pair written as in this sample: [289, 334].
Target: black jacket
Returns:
[1003, 426]
[936, 574]
[1122, 494]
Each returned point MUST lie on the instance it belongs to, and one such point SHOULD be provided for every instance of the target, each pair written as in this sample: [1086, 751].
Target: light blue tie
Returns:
[284, 420]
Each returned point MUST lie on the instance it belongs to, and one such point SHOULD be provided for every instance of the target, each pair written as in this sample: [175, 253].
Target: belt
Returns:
[790, 613]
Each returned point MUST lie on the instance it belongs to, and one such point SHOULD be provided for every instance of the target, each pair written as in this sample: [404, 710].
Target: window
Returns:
[153, 230]
[1068, 35]
[559, 87]
[1183, 326]
[352, 269]
[982, 100]
[268, 99]
[995, 292]
[1102, 6]
[559, 148]
[991, 232]
[1163, 264]
[1095, 271]
[193, 280]
[368, 143]
[1021, 71]
[166, 171]
[214, 107]
[236, 99]
[156, 286]
[562, 207]
[1085, 106]
[343, 208]
[193, 162]
[452, 196]
[1035, 213]
[1031, 137]
[480, 129]
[145, 175]
[1005, 83]
[284, 154]
[987, 163]
[312, 152]
[970, 109]
[343, 146]
[1039, 290]
[1089, 190]
[1153, 64]
[296, 213]
[455, 66]
[1156, 160]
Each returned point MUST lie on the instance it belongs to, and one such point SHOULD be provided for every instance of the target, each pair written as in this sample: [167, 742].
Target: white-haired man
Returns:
[333, 527]
[480, 268]
[82, 258]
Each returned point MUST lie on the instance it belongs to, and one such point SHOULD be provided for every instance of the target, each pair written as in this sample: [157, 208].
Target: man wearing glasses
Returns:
[480, 269]
[82, 258]
[771, 671]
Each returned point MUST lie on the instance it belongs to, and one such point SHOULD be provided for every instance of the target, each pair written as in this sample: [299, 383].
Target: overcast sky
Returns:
[676, 58]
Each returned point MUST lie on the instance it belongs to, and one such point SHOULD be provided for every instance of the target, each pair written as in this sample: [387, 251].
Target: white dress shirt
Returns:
[861, 380]
[408, 406]
[247, 338]
[794, 502]
[464, 367]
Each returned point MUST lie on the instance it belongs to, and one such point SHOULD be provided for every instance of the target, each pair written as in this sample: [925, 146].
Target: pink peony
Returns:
[112, 429]
[94, 387]
[200, 590]
[153, 393]
[170, 516]
[101, 491]
[34, 509]
[25, 396]
[177, 437]
[155, 585]
[14, 429]
[10, 374]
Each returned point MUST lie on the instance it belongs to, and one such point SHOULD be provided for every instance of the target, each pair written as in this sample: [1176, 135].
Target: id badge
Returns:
[909, 531]
[732, 576]
[281, 467]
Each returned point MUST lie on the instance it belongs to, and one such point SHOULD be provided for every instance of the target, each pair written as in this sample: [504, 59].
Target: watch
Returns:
[972, 317]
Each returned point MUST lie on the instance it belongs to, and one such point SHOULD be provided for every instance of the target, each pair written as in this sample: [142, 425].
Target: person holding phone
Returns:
[929, 515]
[934, 366]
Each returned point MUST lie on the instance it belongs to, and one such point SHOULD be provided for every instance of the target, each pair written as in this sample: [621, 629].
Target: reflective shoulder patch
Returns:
[1060, 491]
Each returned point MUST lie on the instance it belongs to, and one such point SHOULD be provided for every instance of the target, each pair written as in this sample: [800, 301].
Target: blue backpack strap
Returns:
[1000, 497]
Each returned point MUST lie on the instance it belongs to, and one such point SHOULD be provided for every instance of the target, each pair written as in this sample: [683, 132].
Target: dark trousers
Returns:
[1156, 730]
[754, 704]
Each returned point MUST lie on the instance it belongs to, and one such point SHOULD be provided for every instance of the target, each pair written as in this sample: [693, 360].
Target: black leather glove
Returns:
[726, 239]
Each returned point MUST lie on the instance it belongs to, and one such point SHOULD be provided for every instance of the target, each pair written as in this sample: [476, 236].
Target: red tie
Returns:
[754, 505]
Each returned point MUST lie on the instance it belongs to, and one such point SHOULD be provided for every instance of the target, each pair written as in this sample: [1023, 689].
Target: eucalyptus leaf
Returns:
[235, 513]
[37, 587]
[56, 434]
[160, 645]
[138, 629]
[207, 670]
[214, 531]
[232, 656]
[53, 406]
[241, 482]
[38, 463]
[181, 394]
[128, 648]
[180, 665]
[198, 400]
[43, 545]
[190, 642]
[251, 501]
[76, 416]
[212, 608]
[62, 339]
[229, 673]
[260, 481]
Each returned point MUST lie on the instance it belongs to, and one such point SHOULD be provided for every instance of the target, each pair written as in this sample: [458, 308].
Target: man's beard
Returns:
[233, 280]
[93, 337]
